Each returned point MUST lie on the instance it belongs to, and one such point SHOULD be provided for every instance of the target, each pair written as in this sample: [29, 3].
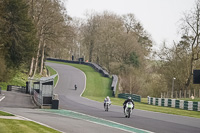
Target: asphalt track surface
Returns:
[71, 100]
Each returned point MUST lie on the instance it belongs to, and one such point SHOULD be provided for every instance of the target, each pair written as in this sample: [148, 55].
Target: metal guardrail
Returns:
[16, 88]
[114, 84]
[95, 66]
[136, 98]
[37, 98]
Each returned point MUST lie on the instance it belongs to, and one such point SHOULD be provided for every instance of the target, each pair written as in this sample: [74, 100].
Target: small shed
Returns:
[43, 90]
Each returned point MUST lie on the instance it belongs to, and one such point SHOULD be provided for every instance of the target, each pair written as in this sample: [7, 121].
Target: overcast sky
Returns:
[158, 17]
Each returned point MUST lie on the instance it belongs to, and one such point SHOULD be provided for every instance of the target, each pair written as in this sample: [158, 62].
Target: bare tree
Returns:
[191, 33]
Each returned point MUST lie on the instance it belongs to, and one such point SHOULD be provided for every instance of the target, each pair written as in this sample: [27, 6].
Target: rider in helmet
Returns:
[128, 100]
[107, 99]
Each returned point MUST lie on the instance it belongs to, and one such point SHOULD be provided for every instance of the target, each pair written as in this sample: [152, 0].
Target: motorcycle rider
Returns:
[128, 100]
[107, 99]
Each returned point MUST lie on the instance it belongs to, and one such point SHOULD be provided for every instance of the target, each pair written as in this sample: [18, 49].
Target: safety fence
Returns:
[22, 89]
[97, 67]
[136, 98]
[182, 104]
[114, 84]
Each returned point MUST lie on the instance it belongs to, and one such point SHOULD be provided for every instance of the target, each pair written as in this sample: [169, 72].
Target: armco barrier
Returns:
[136, 98]
[186, 105]
[97, 68]
[114, 84]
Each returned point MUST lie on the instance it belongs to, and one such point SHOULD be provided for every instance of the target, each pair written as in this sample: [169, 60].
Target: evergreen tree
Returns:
[17, 33]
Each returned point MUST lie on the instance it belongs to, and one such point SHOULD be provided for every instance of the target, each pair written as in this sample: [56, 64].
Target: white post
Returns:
[190, 105]
[159, 101]
[166, 102]
[198, 106]
[154, 101]
[181, 104]
[173, 103]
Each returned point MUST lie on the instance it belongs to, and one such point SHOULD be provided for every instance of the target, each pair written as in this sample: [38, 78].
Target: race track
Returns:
[95, 118]
[151, 121]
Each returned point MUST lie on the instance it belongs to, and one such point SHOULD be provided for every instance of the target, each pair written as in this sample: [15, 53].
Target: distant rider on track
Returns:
[107, 99]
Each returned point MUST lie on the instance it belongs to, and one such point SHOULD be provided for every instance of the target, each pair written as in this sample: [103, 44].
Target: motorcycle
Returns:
[107, 106]
[128, 109]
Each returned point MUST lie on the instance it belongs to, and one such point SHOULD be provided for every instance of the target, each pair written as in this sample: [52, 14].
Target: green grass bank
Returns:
[96, 85]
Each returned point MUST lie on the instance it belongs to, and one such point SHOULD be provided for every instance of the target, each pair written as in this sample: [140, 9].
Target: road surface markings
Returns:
[96, 120]
[2, 98]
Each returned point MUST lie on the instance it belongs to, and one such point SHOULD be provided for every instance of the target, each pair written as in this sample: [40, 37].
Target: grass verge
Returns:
[96, 85]
[53, 72]
[21, 126]
[92, 93]
[5, 114]
[145, 106]
[19, 80]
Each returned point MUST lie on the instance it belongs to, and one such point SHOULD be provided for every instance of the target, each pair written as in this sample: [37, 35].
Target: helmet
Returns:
[107, 97]
[129, 97]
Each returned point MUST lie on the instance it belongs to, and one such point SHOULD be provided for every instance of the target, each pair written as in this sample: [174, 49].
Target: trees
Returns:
[191, 36]
[119, 44]
[180, 60]
[17, 33]
[49, 19]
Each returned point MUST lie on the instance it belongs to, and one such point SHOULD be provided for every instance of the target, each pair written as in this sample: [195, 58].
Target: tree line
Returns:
[29, 28]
